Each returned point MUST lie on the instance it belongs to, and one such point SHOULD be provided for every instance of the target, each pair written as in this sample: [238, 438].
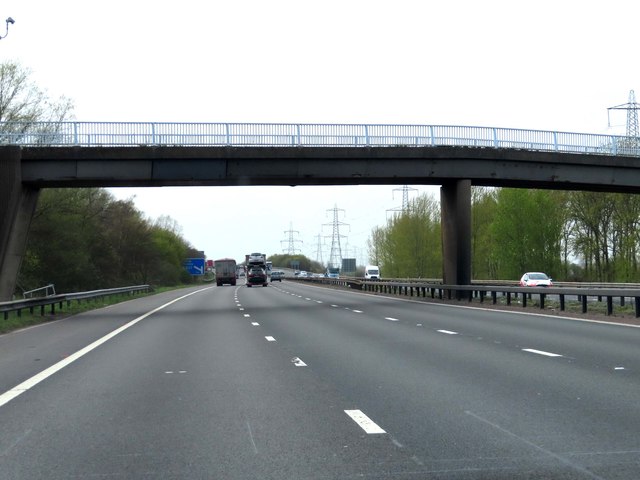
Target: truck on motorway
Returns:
[225, 271]
[257, 273]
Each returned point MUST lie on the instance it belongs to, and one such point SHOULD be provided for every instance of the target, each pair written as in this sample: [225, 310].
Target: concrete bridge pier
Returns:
[17, 204]
[455, 204]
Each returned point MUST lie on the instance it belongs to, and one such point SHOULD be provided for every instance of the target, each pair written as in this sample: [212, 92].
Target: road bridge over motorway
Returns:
[89, 154]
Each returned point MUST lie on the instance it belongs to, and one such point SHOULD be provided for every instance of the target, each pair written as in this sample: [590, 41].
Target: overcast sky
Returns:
[549, 65]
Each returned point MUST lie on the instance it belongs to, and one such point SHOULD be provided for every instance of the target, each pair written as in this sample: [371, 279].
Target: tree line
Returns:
[572, 236]
[84, 239]
[301, 261]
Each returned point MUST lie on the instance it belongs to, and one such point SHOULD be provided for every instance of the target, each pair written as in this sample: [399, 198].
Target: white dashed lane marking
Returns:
[391, 319]
[270, 339]
[448, 332]
[368, 425]
[540, 352]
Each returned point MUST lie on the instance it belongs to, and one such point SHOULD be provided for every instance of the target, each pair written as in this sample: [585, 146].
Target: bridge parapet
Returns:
[308, 135]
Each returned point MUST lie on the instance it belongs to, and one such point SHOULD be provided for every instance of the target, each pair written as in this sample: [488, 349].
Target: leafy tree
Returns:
[170, 249]
[593, 213]
[527, 231]
[63, 234]
[129, 235]
[410, 244]
[83, 239]
[24, 103]
[605, 234]
[374, 244]
[306, 264]
[626, 221]
[483, 212]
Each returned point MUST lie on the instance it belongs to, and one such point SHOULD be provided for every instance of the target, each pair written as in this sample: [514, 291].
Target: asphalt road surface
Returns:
[300, 382]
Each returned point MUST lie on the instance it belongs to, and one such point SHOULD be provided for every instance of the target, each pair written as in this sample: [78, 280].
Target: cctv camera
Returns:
[11, 20]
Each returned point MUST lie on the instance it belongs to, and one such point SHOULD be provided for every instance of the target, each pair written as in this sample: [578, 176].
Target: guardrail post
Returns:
[609, 305]
[561, 302]
[583, 299]
[637, 302]
[542, 295]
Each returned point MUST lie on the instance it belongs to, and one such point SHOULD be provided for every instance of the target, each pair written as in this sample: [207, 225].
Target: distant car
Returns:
[257, 276]
[535, 279]
[257, 259]
[277, 275]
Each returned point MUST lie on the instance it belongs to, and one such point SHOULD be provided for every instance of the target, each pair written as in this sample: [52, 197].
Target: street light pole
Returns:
[8, 21]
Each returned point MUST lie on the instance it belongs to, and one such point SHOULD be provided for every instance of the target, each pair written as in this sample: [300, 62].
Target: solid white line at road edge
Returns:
[368, 425]
[38, 377]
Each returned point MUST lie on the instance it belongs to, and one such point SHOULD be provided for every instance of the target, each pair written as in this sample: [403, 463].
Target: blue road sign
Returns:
[195, 266]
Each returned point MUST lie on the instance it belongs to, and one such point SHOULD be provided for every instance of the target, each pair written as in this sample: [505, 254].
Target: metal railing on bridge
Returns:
[308, 135]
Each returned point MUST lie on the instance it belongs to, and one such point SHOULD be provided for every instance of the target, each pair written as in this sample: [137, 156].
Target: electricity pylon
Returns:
[291, 247]
[319, 249]
[335, 256]
[405, 198]
[633, 131]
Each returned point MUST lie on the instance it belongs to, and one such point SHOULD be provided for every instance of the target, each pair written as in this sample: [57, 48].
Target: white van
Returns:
[372, 272]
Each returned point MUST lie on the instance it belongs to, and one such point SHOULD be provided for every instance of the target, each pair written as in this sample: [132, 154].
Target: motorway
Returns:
[295, 381]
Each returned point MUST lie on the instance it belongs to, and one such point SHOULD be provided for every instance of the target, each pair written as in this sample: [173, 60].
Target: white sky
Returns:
[549, 65]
